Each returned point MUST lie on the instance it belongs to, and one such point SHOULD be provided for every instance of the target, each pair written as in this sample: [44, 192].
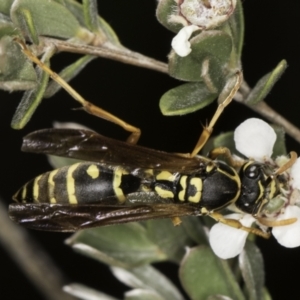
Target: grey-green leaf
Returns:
[265, 84]
[5, 6]
[166, 8]
[104, 31]
[203, 274]
[67, 74]
[251, 265]
[47, 18]
[279, 147]
[148, 278]
[219, 297]
[16, 73]
[139, 294]
[90, 12]
[29, 103]
[237, 28]
[222, 140]
[126, 245]
[194, 230]
[83, 292]
[171, 239]
[185, 99]
[59, 161]
[32, 98]
[210, 49]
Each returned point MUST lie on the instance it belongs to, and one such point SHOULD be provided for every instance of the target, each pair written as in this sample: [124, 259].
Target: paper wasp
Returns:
[123, 182]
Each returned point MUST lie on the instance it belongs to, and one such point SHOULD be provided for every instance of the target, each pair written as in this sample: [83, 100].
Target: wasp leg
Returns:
[275, 223]
[288, 164]
[176, 221]
[213, 154]
[87, 106]
[237, 224]
[207, 131]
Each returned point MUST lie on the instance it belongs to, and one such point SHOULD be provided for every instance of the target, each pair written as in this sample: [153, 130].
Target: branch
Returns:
[34, 262]
[121, 54]
[127, 56]
[268, 112]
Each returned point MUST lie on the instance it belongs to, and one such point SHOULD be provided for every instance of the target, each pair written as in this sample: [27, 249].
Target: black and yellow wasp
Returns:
[123, 182]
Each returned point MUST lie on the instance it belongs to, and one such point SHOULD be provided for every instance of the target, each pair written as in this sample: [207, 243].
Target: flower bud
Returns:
[206, 14]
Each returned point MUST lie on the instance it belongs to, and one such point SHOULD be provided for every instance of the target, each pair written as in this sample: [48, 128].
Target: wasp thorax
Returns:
[258, 187]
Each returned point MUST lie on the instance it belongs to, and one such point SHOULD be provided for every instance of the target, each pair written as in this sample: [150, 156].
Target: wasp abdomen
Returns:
[79, 183]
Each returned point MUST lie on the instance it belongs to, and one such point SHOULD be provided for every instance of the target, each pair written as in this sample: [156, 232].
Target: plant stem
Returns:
[110, 51]
[34, 262]
[127, 56]
[268, 112]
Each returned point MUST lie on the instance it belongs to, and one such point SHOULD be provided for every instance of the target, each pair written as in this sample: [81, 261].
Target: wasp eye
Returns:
[253, 171]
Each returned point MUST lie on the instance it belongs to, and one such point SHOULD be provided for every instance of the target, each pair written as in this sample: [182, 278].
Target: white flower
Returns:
[288, 235]
[228, 241]
[180, 42]
[198, 15]
[255, 139]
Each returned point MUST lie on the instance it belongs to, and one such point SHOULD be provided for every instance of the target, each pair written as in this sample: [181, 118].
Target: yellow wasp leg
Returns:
[275, 223]
[237, 224]
[176, 221]
[87, 106]
[288, 164]
[213, 154]
[207, 131]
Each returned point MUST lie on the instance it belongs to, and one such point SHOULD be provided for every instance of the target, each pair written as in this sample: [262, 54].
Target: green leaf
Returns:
[67, 74]
[172, 240]
[251, 265]
[5, 6]
[202, 275]
[28, 25]
[236, 28]
[125, 245]
[139, 294]
[16, 73]
[266, 295]
[165, 9]
[185, 99]
[90, 12]
[150, 279]
[85, 293]
[219, 297]
[104, 31]
[223, 140]
[32, 98]
[265, 84]
[58, 161]
[47, 18]
[210, 55]
[279, 147]
[194, 230]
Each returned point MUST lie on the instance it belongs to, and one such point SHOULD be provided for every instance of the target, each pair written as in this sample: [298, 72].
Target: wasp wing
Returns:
[70, 218]
[91, 146]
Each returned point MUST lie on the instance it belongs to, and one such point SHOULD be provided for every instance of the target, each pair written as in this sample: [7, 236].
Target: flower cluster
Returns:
[255, 139]
[198, 15]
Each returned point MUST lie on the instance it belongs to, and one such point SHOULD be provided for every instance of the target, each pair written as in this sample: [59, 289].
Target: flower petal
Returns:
[255, 139]
[180, 42]
[295, 174]
[288, 235]
[227, 241]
